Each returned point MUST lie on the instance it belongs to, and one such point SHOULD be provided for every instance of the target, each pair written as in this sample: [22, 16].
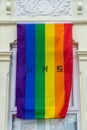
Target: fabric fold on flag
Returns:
[44, 70]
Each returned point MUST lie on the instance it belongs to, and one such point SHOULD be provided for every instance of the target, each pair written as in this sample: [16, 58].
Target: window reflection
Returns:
[69, 123]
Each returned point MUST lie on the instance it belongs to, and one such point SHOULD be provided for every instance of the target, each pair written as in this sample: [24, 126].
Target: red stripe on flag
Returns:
[68, 63]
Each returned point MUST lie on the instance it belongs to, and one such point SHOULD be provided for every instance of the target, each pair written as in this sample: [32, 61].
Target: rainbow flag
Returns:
[44, 70]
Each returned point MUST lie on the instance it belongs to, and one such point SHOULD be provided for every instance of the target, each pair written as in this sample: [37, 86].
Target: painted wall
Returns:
[8, 35]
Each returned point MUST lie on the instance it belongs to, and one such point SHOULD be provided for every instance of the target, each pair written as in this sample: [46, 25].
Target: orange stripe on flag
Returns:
[59, 64]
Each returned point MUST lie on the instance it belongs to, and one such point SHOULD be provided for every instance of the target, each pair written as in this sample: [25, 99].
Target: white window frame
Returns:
[75, 109]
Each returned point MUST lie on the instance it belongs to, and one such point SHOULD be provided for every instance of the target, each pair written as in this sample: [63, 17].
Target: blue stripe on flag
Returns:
[30, 75]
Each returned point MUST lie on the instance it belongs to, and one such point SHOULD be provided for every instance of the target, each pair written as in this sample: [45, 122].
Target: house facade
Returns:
[47, 11]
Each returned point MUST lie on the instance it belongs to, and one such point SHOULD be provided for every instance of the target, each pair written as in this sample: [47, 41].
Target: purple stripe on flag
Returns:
[21, 70]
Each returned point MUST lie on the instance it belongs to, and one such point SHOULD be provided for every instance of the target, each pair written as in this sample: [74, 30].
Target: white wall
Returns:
[79, 34]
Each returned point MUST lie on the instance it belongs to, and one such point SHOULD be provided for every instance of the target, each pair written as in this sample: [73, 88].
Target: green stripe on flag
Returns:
[40, 73]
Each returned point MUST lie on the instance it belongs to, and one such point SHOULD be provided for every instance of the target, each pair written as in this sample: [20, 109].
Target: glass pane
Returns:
[71, 99]
[69, 123]
[24, 124]
[41, 125]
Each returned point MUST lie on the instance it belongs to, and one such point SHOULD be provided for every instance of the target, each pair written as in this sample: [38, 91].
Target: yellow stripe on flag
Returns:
[59, 65]
[50, 74]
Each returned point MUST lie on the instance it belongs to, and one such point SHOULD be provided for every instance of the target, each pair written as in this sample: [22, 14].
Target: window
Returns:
[72, 120]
